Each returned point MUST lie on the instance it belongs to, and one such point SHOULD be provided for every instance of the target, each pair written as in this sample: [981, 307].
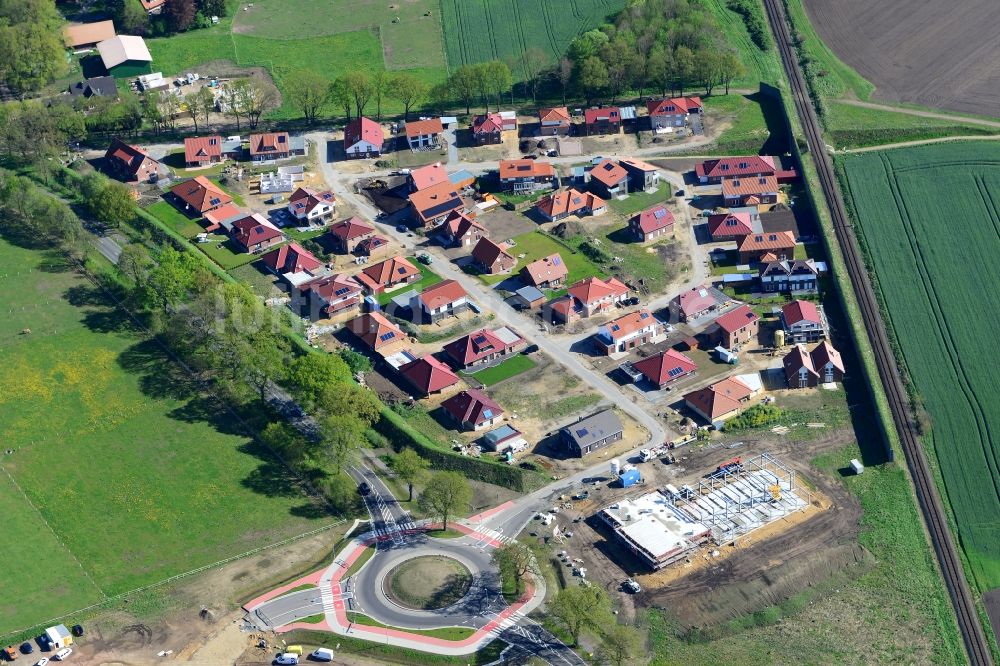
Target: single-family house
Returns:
[605, 120]
[199, 195]
[493, 258]
[445, 299]
[697, 302]
[803, 321]
[460, 230]
[293, 263]
[821, 365]
[736, 327]
[721, 401]
[254, 233]
[430, 206]
[521, 176]
[270, 146]
[609, 179]
[388, 274]
[427, 176]
[665, 368]
[483, 347]
[592, 433]
[766, 248]
[799, 276]
[473, 410]
[730, 226]
[202, 151]
[346, 235]
[672, 112]
[428, 375]
[363, 138]
[594, 295]
[503, 439]
[88, 35]
[752, 191]
[333, 294]
[376, 333]
[642, 176]
[749, 166]
[560, 205]
[487, 129]
[424, 134]
[97, 86]
[554, 121]
[125, 56]
[628, 332]
[652, 223]
[309, 206]
[130, 163]
[546, 273]
[372, 246]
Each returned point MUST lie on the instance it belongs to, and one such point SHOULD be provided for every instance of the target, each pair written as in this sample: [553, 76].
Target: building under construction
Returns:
[740, 496]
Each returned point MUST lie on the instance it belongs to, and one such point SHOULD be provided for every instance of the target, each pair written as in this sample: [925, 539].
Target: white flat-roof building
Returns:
[654, 529]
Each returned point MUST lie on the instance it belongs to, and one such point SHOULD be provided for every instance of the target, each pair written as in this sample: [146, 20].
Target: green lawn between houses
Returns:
[512, 367]
[121, 476]
[637, 201]
[176, 220]
[535, 245]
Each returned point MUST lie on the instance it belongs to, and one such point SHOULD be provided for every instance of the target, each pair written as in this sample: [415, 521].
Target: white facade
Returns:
[363, 148]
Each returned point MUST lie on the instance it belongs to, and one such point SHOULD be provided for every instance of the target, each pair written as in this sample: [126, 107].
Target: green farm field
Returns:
[760, 65]
[121, 473]
[480, 30]
[929, 219]
[849, 126]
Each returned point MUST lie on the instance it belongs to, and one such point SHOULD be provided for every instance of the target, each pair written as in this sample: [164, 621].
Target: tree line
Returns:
[176, 16]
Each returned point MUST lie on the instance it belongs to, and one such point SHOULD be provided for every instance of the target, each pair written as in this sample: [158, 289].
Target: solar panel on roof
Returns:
[487, 413]
[215, 201]
[659, 213]
[675, 371]
[479, 339]
[556, 261]
[582, 432]
[341, 291]
[387, 336]
[213, 141]
[643, 315]
[401, 270]
[281, 139]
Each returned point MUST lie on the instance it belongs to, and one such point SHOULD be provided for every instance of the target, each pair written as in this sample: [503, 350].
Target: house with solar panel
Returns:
[652, 223]
[198, 196]
[473, 410]
[592, 433]
[665, 368]
[628, 332]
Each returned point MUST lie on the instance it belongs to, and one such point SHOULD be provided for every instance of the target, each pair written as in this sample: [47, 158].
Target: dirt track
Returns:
[936, 54]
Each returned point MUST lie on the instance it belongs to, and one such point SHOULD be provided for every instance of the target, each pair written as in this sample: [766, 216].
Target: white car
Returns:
[62, 654]
[287, 658]
[42, 662]
[322, 654]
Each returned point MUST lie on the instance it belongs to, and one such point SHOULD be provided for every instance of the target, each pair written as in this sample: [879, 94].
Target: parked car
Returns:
[680, 193]
[321, 654]
[287, 658]
[42, 662]
[401, 228]
[364, 488]
[27, 648]
[582, 495]
[9, 653]
[63, 654]
[632, 586]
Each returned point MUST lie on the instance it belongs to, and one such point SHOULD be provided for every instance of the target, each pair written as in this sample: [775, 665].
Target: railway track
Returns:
[976, 645]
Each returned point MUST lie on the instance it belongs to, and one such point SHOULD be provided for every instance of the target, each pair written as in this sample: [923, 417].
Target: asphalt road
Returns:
[289, 608]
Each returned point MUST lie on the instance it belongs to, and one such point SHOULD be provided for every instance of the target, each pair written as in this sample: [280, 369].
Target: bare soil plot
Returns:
[940, 55]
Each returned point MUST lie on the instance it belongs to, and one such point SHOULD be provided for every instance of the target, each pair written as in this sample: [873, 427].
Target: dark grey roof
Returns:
[594, 428]
[103, 86]
[530, 293]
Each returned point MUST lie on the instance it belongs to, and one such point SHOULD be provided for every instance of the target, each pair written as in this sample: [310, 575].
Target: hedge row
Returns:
[401, 435]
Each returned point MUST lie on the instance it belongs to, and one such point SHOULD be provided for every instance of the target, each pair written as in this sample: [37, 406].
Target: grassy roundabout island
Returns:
[428, 582]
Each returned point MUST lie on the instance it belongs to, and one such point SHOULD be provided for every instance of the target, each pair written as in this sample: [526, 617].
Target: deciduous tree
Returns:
[179, 14]
[410, 467]
[593, 76]
[409, 90]
[464, 83]
[577, 608]
[517, 560]
[309, 91]
[445, 494]
[360, 88]
[620, 645]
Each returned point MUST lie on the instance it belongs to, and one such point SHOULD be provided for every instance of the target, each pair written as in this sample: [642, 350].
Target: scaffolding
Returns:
[737, 499]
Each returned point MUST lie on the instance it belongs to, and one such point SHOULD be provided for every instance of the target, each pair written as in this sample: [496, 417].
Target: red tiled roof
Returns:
[734, 166]
[798, 311]
[217, 216]
[252, 230]
[655, 218]
[88, 33]
[797, 359]
[562, 305]
[525, 169]
[303, 200]
[569, 202]
[779, 240]
[665, 367]
[416, 128]
[609, 113]
[199, 148]
[435, 200]
[428, 375]
[271, 142]
[609, 173]
[375, 331]
[719, 398]
[824, 353]
[736, 319]
[629, 323]
[201, 194]
[150, 5]
[546, 269]
[363, 129]
[748, 185]
[372, 244]
[638, 164]
[458, 224]
[594, 289]
[442, 293]
[333, 287]
[673, 105]
[553, 114]
[351, 228]
[730, 224]
[487, 124]
[474, 346]
[428, 176]
[695, 299]
[472, 406]
[389, 272]
[291, 258]
[486, 252]
[131, 156]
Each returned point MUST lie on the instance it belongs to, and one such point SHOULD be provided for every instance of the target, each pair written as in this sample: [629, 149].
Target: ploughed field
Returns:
[929, 219]
[114, 472]
[937, 54]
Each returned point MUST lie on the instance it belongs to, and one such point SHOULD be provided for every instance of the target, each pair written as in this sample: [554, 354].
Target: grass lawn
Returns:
[175, 160]
[638, 262]
[758, 125]
[362, 560]
[535, 245]
[849, 126]
[223, 252]
[450, 533]
[445, 633]
[408, 159]
[264, 284]
[512, 367]
[128, 475]
[760, 65]
[176, 220]
[427, 279]
[638, 201]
